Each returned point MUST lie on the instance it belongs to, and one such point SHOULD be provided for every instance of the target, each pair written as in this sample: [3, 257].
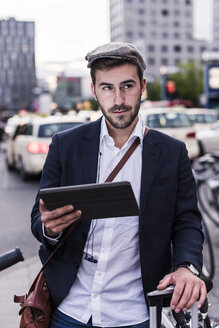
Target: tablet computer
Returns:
[98, 200]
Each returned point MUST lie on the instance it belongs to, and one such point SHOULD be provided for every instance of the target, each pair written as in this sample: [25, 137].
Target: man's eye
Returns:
[107, 88]
[127, 86]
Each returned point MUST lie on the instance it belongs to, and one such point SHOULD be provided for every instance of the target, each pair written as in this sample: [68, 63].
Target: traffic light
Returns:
[170, 90]
[170, 87]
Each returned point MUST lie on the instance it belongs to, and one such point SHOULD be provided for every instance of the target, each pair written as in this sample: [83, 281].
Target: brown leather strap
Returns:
[110, 178]
[61, 243]
[124, 159]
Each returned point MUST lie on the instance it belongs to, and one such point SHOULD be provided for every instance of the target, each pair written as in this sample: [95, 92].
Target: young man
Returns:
[103, 273]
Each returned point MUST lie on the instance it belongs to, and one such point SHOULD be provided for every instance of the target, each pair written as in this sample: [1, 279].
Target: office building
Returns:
[17, 64]
[162, 29]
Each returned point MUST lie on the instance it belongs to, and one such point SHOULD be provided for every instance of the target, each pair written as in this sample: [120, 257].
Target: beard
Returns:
[122, 121]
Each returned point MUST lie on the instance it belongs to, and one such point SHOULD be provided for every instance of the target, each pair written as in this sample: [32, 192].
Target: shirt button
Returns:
[109, 226]
[94, 295]
[105, 250]
[99, 273]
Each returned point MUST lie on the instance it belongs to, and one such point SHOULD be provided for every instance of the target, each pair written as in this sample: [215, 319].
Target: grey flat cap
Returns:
[117, 50]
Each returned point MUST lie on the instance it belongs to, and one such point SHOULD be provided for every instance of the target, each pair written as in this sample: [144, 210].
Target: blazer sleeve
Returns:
[187, 236]
[50, 178]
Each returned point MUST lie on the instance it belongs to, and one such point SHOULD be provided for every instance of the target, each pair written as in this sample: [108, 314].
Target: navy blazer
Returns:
[169, 222]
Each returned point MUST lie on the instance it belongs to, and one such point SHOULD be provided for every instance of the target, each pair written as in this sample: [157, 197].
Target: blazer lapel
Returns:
[150, 157]
[89, 149]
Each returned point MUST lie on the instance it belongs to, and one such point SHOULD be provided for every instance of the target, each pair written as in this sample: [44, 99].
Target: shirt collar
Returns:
[138, 131]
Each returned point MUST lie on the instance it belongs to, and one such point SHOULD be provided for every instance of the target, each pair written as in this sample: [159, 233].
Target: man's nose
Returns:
[118, 97]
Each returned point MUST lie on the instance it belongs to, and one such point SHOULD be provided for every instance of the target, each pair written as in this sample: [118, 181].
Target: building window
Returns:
[188, 2]
[165, 35]
[141, 23]
[190, 49]
[153, 34]
[176, 12]
[151, 61]
[164, 61]
[129, 34]
[151, 48]
[177, 48]
[202, 49]
[188, 36]
[164, 48]
[29, 27]
[176, 24]
[176, 35]
[165, 12]
[141, 11]
[177, 61]
[141, 34]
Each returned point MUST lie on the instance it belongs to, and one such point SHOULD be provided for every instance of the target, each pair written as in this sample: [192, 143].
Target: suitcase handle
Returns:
[162, 298]
[158, 297]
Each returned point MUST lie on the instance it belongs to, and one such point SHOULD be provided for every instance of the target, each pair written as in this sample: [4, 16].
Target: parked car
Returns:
[202, 117]
[28, 146]
[13, 122]
[174, 122]
[209, 140]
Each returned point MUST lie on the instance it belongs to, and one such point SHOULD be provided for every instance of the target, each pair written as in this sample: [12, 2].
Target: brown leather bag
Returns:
[36, 305]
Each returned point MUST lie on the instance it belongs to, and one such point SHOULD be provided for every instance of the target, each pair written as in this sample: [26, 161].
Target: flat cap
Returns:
[117, 50]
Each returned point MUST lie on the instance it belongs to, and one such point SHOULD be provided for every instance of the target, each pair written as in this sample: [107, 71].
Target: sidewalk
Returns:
[18, 278]
[15, 280]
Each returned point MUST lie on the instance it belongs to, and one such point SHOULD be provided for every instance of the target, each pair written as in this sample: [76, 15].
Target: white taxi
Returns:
[174, 122]
[28, 146]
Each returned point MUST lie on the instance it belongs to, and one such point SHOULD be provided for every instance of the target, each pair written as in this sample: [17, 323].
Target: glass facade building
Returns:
[17, 64]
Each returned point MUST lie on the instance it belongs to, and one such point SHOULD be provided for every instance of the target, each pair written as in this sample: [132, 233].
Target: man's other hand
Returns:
[57, 220]
[188, 289]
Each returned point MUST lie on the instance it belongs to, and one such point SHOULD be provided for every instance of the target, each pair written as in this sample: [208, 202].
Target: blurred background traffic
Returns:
[44, 91]
[45, 88]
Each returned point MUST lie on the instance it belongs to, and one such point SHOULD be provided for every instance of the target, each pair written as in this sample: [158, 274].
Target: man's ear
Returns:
[143, 86]
[93, 90]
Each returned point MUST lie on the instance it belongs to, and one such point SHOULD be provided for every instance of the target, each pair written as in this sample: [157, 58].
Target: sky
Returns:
[203, 11]
[67, 29]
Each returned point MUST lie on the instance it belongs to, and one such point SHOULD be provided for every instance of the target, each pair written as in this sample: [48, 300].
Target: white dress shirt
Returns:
[111, 290]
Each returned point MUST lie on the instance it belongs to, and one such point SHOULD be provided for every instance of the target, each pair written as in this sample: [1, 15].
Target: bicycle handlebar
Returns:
[11, 257]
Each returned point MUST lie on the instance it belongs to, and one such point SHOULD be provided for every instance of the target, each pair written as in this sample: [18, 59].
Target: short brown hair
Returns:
[108, 63]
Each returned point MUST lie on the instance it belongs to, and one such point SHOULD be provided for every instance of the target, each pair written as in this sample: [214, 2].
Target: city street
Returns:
[16, 199]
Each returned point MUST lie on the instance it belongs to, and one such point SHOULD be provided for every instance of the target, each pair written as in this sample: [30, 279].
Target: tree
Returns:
[94, 104]
[189, 82]
[154, 91]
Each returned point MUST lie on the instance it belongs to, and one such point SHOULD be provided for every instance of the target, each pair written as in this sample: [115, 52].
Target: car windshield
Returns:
[205, 118]
[168, 120]
[47, 130]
